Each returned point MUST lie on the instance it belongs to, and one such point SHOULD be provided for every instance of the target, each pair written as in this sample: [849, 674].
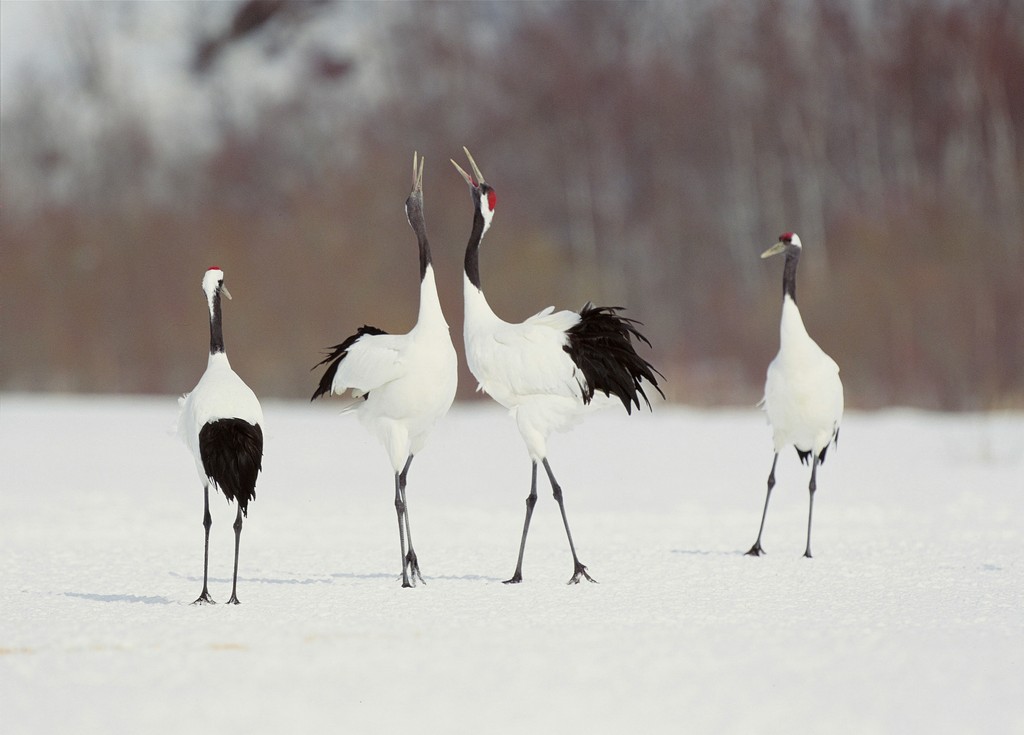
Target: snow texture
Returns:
[908, 619]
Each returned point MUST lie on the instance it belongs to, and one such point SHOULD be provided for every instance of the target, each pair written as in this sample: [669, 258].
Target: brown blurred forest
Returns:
[644, 154]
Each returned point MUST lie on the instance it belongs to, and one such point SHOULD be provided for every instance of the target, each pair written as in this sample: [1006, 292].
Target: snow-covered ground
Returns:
[908, 619]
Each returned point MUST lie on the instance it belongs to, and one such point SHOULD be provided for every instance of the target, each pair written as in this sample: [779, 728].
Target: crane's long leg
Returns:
[410, 558]
[531, 500]
[238, 537]
[810, 510]
[756, 549]
[578, 568]
[400, 510]
[205, 598]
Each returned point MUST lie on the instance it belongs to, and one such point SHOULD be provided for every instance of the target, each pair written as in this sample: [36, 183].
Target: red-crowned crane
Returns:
[222, 423]
[550, 369]
[803, 395]
[400, 385]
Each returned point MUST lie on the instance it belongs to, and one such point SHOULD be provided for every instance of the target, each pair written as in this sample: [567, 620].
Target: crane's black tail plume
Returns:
[601, 345]
[232, 454]
[805, 456]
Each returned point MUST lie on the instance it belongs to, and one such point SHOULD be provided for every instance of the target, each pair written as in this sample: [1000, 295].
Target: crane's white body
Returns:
[803, 395]
[408, 380]
[220, 394]
[526, 369]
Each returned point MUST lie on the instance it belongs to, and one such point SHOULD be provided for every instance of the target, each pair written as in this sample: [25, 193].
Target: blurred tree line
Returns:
[643, 154]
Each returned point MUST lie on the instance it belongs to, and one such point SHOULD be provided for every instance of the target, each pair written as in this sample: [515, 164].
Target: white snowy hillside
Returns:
[910, 617]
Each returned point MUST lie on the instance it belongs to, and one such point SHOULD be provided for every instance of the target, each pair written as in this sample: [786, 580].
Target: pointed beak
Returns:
[467, 177]
[476, 170]
[417, 173]
[224, 291]
[774, 249]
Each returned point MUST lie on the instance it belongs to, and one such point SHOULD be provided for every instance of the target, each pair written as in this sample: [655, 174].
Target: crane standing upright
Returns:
[803, 395]
[221, 421]
[400, 385]
[550, 369]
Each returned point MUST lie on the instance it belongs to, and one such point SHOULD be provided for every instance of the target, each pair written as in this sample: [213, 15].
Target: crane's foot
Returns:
[755, 550]
[414, 567]
[405, 578]
[234, 600]
[580, 571]
[204, 599]
[515, 579]
[807, 554]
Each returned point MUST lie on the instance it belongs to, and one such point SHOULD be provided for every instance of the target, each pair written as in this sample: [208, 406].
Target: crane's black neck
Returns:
[424, 255]
[789, 273]
[473, 248]
[415, 211]
[216, 326]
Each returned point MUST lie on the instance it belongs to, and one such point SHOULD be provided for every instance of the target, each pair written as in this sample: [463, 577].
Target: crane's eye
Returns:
[492, 199]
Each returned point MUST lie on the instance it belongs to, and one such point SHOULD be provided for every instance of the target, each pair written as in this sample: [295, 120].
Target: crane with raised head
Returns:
[400, 385]
[550, 369]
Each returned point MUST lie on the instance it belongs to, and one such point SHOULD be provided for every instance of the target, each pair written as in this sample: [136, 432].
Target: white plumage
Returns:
[526, 369]
[400, 385]
[550, 369]
[803, 395]
[221, 422]
[220, 394]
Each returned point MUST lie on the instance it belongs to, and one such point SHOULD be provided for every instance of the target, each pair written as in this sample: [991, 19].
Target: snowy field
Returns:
[910, 617]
